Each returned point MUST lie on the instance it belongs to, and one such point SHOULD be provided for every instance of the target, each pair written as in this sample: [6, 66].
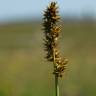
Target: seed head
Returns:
[52, 31]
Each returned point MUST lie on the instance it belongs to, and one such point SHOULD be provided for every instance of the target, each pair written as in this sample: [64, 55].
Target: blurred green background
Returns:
[25, 72]
[23, 68]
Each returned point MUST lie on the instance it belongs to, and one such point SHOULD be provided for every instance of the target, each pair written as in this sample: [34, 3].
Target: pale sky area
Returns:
[15, 9]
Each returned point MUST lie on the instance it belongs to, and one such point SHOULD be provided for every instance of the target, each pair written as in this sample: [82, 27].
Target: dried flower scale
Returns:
[51, 31]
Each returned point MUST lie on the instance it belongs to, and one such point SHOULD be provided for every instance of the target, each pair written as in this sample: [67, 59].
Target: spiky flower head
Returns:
[51, 31]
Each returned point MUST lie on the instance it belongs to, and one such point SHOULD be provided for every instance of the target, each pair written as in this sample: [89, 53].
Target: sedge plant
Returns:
[51, 34]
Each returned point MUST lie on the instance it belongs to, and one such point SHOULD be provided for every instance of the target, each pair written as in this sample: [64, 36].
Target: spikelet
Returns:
[51, 31]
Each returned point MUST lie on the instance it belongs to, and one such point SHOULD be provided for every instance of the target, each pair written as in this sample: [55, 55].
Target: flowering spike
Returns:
[51, 31]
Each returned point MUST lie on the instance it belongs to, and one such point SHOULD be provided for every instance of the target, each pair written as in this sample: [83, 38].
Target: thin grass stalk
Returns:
[51, 32]
[56, 78]
[56, 85]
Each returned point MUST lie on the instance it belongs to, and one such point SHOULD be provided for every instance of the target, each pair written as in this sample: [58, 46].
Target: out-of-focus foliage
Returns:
[24, 71]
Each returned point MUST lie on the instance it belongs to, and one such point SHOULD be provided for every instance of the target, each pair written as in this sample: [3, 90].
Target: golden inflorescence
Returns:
[51, 31]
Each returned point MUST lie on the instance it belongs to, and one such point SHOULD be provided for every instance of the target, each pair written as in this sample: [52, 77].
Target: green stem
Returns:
[56, 77]
[56, 85]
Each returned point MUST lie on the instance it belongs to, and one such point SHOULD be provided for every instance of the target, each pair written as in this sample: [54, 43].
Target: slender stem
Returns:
[56, 85]
[56, 77]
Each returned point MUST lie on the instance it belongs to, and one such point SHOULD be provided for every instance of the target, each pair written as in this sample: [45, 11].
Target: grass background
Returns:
[25, 72]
